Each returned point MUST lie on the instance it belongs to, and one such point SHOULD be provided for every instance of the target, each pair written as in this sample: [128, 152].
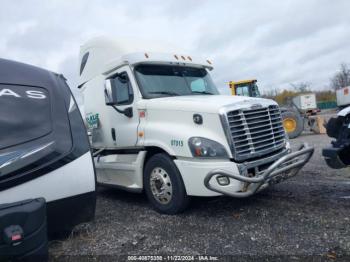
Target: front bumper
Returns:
[285, 167]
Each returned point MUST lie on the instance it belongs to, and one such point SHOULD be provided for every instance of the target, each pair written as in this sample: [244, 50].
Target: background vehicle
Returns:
[158, 124]
[44, 149]
[338, 156]
[306, 103]
[343, 97]
[296, 117]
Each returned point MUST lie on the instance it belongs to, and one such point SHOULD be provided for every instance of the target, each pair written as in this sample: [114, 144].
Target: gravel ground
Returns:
[305, 216]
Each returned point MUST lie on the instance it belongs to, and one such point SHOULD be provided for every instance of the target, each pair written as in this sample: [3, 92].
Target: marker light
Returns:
[142, 114]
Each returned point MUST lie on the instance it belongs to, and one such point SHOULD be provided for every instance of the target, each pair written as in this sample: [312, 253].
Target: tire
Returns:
[159, 172]
[297, 120]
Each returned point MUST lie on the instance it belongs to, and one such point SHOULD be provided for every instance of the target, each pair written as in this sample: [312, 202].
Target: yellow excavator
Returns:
[293, 121]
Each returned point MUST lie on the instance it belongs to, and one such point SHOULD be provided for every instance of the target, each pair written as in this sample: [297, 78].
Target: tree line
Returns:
[339, 80]
[342, 78]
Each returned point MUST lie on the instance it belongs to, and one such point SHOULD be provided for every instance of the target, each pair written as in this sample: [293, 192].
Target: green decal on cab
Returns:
[93, 121]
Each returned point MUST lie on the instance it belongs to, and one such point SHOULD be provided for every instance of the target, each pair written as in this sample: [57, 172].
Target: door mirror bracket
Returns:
[127, 111]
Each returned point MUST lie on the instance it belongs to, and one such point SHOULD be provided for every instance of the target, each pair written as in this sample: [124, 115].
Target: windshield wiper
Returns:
[202, 92]
[164, 93]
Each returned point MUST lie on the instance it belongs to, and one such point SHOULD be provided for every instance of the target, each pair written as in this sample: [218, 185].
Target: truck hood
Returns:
[203, 103]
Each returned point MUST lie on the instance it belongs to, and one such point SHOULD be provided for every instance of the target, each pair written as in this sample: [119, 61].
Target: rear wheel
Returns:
[292, 123]
[163, 185]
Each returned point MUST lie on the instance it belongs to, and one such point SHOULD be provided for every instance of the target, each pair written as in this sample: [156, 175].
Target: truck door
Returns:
[124, 120]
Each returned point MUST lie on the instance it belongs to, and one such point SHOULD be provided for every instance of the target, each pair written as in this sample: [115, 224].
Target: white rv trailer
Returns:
[159, 125]
[343, 97]
[44, 149]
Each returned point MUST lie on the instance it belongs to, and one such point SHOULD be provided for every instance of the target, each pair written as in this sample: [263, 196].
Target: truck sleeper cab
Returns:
[44, 149]
[159, 125]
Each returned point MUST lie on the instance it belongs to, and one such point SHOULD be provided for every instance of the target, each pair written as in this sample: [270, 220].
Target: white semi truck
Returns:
[158, 124]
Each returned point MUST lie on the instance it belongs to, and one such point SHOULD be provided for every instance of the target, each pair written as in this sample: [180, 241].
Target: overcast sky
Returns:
[277, 42]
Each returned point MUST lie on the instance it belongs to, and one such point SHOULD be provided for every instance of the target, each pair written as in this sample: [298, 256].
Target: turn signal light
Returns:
[142, 114]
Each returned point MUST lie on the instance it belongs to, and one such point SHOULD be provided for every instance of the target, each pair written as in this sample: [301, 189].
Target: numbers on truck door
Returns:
[177, 143]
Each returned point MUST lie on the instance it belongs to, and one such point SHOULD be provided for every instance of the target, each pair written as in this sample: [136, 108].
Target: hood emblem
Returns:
[256, 106]
[197, 119]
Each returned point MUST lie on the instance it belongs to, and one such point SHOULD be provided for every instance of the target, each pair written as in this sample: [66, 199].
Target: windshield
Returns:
[163, 80]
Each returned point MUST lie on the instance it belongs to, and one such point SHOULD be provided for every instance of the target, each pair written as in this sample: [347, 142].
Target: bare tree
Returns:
[271, 93]
[302, 87]
[342, 78]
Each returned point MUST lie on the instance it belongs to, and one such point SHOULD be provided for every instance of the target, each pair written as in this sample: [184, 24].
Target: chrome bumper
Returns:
[285, 167]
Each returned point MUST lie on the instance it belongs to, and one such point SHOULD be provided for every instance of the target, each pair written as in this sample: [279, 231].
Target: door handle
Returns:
[113, 134]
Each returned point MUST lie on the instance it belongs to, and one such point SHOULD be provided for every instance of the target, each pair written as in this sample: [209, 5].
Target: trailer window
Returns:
[25, 114]
[162, 80]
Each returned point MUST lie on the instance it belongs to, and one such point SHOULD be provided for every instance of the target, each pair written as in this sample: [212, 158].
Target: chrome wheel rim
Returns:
[161, 186]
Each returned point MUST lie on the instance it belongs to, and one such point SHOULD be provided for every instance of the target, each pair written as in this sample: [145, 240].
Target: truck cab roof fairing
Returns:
[106, 53]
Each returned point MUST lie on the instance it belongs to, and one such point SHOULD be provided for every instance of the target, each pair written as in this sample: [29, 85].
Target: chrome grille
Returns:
[255, 131]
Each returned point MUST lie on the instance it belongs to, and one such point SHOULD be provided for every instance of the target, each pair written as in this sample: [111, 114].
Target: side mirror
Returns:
[111, 97]
[110, 93]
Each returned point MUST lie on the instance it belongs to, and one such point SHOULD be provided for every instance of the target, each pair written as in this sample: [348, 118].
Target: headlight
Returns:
[203, 147]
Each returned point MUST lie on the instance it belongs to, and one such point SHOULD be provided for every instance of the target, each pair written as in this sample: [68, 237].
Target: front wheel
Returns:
[164, 186]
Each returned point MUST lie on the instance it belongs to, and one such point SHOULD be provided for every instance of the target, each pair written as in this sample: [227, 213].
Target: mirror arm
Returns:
[118, 110]
[127, 111]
